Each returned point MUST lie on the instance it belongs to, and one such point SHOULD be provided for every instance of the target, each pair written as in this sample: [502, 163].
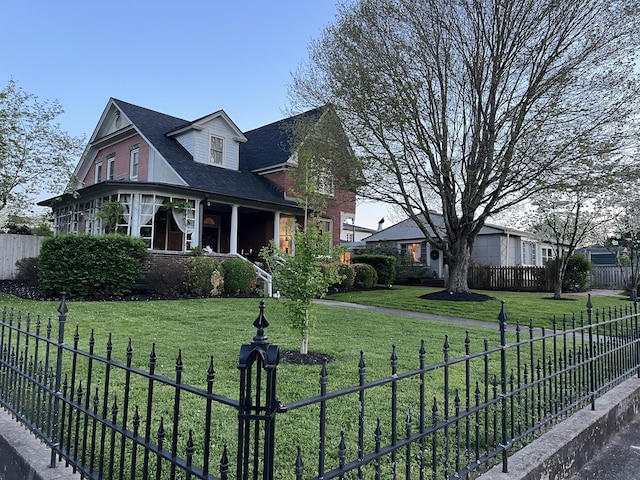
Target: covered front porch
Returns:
[173, 220]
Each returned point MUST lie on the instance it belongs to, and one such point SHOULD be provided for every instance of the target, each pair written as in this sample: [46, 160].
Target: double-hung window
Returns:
[98, 172]
[111, 166]
[133, 163]
[217, 150]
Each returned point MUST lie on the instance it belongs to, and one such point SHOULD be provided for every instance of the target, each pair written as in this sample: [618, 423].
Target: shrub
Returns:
[167, 277]
[348, 275]
[239, 276]
[414, 274]
[28, 270]
[199, 273]
[384, 265]
[576, 278]
[365, 275]
[87, 266]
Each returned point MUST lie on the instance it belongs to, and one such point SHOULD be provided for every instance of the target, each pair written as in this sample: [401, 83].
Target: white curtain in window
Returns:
[184, 219]
[148, 210]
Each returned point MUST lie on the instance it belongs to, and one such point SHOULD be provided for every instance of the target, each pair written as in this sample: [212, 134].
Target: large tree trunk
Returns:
[459, 261]
[557, 284]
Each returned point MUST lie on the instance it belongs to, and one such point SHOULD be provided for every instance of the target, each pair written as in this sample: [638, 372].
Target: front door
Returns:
[211, 232]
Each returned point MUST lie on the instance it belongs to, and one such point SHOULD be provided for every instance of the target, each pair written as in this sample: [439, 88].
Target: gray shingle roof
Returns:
[155, 126]
[271, 144]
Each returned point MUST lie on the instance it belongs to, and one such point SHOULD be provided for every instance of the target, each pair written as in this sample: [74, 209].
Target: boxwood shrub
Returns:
[384, 265]
[200, 272]
[88, 266]
[239, 276]
[366, 276]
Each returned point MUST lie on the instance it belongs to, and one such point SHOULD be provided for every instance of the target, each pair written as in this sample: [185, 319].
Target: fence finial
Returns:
[502, 316]
[260, 323]
[62, 309]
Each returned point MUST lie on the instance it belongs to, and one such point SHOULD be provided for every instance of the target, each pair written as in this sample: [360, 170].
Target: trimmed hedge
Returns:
[239, 276]
[88, 266]
[366, 276]
[384, 265]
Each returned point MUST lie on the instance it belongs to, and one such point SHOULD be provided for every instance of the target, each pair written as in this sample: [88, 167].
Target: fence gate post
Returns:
[258, 404]
[55, 439]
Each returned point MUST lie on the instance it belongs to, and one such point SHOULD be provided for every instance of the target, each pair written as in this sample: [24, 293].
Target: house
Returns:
[180, 184]
[494, 245]
[602, 256]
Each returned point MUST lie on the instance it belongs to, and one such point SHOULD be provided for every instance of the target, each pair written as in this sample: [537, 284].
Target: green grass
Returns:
[218, 327]
[521, 307]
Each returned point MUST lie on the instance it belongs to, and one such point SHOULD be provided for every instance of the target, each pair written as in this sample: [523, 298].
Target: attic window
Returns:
[118, 120]
[217, 147]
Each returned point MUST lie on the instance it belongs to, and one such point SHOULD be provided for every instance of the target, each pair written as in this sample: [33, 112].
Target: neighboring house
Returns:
[182, 184]
[494, 245]
[601, 256]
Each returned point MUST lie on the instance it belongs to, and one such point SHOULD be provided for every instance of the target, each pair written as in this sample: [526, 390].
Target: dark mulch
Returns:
[456, 297]
[311, 358]
[21, 290]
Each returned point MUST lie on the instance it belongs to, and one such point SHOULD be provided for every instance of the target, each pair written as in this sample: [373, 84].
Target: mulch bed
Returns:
[456, 297]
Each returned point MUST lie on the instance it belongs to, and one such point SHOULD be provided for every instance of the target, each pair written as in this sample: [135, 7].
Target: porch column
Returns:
[233, 247]
[134, 215]
[276, 229]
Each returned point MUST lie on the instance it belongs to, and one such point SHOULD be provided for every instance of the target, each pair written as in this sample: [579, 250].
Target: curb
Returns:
[562, 451]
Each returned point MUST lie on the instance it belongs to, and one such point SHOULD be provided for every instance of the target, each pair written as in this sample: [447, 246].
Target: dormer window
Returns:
[217, 149]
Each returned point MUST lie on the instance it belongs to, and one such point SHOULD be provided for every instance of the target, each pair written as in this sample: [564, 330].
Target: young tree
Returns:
[35, 154]
[304, 275]
[575, 212]
[467, 107]
[626, 234]
[322, 158]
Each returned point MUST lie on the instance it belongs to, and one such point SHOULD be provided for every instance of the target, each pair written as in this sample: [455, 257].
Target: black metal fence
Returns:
[445, 418]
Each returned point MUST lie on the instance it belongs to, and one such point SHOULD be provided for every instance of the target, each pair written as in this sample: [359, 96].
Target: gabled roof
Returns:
[271, 145]
[155, 127]
[408, 230]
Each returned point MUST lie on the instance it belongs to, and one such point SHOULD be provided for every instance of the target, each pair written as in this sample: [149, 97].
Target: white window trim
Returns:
[211, 137]
[135, 153]
[111, 167]
[98, 172]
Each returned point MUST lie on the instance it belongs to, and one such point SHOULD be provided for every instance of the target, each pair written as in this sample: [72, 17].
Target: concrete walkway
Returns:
[405, 313]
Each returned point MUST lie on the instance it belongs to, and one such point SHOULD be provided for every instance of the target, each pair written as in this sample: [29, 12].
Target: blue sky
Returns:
[186, 59]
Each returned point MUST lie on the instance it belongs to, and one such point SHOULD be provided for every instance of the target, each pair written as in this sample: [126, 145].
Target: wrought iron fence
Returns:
[448, 417]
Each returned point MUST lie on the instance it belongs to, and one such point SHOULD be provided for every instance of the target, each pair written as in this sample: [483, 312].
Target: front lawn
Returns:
[218, 327]
[521, 307]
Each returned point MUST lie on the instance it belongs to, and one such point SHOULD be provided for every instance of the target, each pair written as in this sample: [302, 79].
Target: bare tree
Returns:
[468, 107]
[35, 154]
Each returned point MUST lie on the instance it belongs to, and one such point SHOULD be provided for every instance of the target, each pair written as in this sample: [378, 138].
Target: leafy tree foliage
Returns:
[304, 275]
[35, 154]
[465, 108]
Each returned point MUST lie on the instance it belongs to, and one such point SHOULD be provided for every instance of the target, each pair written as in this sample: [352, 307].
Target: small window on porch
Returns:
[287, 225]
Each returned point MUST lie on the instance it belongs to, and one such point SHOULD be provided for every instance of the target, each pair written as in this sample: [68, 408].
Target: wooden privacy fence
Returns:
[611, 277]
[14, 248]
[521, 279]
